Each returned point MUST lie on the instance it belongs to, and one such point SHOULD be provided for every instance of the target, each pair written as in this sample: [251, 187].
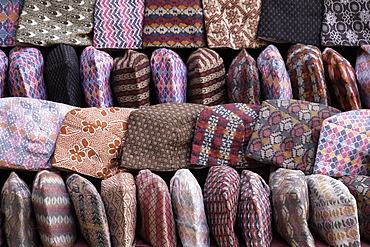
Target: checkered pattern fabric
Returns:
[4, 64]
[10, 11]
[362, 70]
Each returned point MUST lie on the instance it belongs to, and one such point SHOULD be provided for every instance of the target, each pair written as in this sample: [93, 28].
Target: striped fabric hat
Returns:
[4, 64]
[362, 70]
[10, 11]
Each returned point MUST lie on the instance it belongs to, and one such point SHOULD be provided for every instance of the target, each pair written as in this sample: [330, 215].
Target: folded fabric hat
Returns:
[4, 64]
[45, 23]
[169, 76]
[10, 11]
[90, 211]
[173, 23]
[221, 193]
[55, 215]
[16, 206]
[119, 197]
[275, 81]
[26, 73]
[333, 211]
[95, 69]
[343, 144]
[131, 78]
[206, 72]
[158, 223]
[254, 210]
[242, 78]
[90, 140]
[290, 204]
[341, 81]
[232, 24]
[62, 76]
[362, 70]
[287, 132]
[306, 71]
[221, 135]
[28, 132]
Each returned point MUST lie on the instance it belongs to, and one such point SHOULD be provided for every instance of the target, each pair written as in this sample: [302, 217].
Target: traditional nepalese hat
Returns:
[4, 64]
[10, 11]
[362, 69]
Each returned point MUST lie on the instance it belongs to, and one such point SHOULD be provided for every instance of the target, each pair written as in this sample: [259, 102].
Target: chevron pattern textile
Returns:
[341, 81]
[290, 205]
[9, 11]
[329, 199]
[95, 70]
[362, 70]
[275, 81]
[158, 223]
[206, 72]
[130, 79]
[190, 217]
[25, 74]
[119, 198]
[221, 193]
[90, 210]
[307, 76]
[118, 24]
[343, 144]
[55, 216]
[173, 24]
[4, 64]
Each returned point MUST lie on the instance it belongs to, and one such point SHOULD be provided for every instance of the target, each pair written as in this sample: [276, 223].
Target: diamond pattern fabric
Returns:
[10, 11]
[4, 65]
[362, 70]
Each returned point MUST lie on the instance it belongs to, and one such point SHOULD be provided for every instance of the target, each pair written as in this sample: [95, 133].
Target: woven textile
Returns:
[130, 79]
[90, 211]
[158, 223]
[206, 73]
[9, 12]
[221, 135]
[362, 70]
[341, 81]
[90, 140]
[287, 133]
[28, 132]
[16, 206]
[343, 144]
[4, 64]
[169, 76]
[221, 193]
[55, 215]
[190, 217]
[45, 23]
[275, 81]
[159, 137]
[119, 197]
[118, 24]
[25, 74]
[254, 210]
[173, 23]
[242, 78]
[306, 71]
[290, 204]
[333, 211]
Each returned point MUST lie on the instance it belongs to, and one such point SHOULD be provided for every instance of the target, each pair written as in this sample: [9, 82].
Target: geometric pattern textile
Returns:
[4, 64]
[9, 12]
[362, 69]
[344, 145]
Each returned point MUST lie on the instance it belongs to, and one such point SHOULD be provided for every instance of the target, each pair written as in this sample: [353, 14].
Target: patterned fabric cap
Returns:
[232, 24]
[28, 132]
[55, 215]
[341, 81]
[16, 205]
[4, 64]
[26, 73]
[9, 11]
[221, 192]
[242, 78]
[159, 137]
[275, 81]
[45, 23]
[158, 223]
[206, 72]
[287, 133]
[362, 70]
[62, 76]
[343, 144]
[173, 23]
[187, 199]
[333, 211]
[254, 210]
[221, 135]
[290, 204]
[90, 140]
[119, 197]
[306, 71]
[90, 210]
[130, 79]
